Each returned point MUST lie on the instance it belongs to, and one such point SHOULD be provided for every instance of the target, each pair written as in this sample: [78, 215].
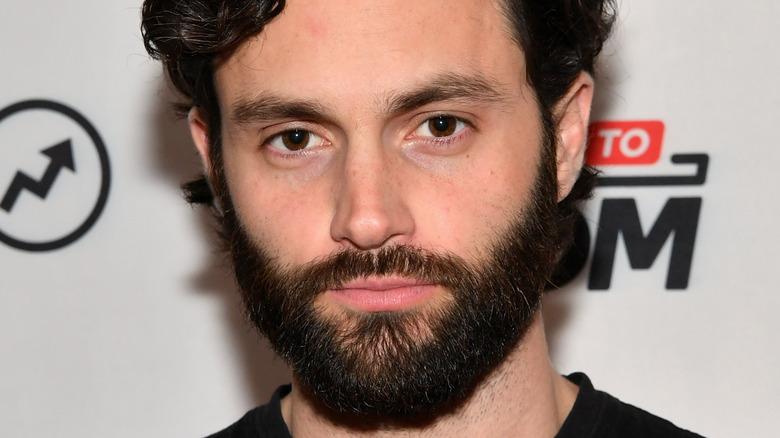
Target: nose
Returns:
[371, 202]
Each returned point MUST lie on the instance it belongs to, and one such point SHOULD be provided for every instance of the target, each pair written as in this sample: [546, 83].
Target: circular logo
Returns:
[54, 175]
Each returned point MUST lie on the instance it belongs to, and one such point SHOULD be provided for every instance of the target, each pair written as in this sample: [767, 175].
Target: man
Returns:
[396, 181]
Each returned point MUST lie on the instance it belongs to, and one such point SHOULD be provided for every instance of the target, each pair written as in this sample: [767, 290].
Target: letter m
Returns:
[679, 215]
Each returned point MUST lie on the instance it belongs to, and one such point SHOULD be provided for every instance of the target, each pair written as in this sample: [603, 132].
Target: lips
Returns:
[383, 294]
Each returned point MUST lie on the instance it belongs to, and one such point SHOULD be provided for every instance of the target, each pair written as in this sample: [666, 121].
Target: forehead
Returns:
[352, 49]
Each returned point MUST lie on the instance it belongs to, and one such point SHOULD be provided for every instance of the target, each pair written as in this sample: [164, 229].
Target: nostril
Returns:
[370, 222]
[363, 228]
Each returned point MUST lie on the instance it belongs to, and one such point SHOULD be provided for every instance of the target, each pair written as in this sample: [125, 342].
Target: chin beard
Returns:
[406, 364]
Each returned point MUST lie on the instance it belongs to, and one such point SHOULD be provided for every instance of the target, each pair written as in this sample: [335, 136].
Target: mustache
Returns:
[401, 260]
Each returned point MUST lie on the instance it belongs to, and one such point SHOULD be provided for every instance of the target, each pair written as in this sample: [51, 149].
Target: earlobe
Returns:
[572, 115]
[199, 132]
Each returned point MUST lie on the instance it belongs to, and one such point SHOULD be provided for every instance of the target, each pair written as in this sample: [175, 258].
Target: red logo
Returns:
[624, 143]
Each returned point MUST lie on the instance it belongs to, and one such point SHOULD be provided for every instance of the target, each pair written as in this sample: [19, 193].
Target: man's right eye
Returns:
[295, 140]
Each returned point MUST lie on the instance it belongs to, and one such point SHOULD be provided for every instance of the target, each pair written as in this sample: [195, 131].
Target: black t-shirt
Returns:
[595, 414]
[599, 415]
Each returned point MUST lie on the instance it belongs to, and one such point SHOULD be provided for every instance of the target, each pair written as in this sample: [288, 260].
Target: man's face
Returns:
[365, 80]
[402, 137]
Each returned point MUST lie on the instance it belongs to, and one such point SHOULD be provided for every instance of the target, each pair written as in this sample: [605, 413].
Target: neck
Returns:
[524, 396]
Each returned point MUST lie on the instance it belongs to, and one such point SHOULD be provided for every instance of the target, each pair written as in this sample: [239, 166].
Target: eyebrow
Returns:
[267, 107]
[450, 87]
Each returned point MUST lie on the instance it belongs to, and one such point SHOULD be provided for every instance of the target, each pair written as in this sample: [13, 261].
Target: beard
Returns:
[411, 363]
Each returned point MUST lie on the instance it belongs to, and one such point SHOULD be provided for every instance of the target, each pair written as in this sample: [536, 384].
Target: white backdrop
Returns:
[134, 329]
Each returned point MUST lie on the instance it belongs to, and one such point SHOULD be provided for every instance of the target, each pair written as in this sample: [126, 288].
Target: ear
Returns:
[572, 114]
[199, 132]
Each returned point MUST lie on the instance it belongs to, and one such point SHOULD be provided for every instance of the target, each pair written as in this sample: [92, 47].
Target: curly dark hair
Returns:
[559, 38]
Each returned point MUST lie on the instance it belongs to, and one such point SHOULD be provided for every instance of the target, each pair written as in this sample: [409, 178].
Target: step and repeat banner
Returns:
[118, 316]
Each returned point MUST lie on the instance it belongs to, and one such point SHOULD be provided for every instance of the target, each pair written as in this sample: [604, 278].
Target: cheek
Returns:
[495, 184]
[290, 222]
[289, 227]
[462, 213]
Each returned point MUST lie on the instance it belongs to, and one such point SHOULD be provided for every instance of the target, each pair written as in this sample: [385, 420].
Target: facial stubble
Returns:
[412, 363]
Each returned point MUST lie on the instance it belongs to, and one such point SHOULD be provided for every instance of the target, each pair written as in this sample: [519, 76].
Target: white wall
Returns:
[135, 329]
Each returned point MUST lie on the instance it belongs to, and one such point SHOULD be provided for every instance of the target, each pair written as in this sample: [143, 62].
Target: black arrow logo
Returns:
[61, 156]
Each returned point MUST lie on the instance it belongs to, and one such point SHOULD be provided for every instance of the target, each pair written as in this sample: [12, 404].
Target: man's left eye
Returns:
[441, 126]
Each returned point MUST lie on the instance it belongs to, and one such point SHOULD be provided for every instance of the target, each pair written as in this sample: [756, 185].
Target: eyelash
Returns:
[460, 131]
[283, 150]
[461, 125]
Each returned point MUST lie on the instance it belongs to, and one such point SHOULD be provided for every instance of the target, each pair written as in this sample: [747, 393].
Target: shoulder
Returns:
[264, 421]
[598, 414]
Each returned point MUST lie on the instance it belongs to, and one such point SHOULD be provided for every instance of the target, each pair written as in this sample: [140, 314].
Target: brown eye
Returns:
[442, 126]
[295, 140]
